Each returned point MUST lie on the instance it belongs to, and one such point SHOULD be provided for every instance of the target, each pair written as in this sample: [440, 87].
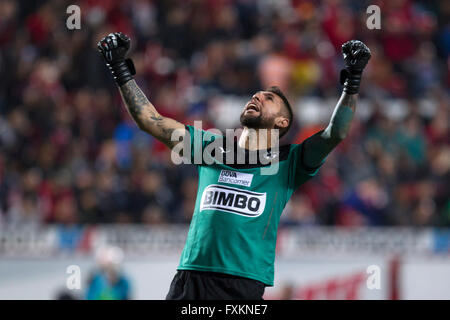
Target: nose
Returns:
[256, 97]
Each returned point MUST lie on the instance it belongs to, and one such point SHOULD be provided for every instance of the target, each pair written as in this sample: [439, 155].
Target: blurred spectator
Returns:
[70, 154]
[109, 282]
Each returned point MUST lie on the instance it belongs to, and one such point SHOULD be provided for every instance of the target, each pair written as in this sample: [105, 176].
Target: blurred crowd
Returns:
[70, 153]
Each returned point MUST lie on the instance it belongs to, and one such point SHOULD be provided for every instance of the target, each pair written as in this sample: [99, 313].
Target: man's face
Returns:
[261, 111]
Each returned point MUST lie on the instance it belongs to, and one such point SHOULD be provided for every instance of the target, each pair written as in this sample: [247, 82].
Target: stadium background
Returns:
[76, 174]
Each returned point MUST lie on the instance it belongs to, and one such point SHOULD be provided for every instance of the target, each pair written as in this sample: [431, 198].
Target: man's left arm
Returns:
[356, 55]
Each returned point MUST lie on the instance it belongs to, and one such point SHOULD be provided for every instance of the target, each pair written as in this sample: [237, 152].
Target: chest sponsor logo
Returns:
[234, 177]
[232, 200]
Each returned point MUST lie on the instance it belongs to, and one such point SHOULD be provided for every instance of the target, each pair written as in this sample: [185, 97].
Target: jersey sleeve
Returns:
[198, 140]
[299, 173]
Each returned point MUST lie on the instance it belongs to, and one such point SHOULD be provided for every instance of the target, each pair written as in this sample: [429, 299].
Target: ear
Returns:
[281, 122]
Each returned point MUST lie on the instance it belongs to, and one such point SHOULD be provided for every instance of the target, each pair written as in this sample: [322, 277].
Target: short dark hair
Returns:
[278, 92]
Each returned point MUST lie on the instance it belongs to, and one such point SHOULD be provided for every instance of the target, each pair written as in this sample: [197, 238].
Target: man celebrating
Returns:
[230, 247]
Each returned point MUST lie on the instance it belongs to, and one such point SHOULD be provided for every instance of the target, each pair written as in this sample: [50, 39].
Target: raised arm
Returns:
[114, 47]
[146, 116]
[317, 147]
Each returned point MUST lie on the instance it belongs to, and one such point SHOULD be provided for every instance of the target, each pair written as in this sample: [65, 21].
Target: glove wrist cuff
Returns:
[351, 80]
[122, 71]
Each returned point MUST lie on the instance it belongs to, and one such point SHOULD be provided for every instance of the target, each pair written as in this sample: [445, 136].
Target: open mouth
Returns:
[252, 106]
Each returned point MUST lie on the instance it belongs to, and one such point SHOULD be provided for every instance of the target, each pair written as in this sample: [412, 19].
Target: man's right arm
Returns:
[114, 48]
[146, 116]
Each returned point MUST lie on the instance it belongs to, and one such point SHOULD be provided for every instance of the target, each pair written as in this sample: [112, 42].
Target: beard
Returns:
[254, 122]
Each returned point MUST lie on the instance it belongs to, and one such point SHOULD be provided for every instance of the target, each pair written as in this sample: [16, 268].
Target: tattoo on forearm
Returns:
[348, 100]
[342, 116]
[133, 95]
[145, 114]
[318, 146]
[136, 102]
[160, 122]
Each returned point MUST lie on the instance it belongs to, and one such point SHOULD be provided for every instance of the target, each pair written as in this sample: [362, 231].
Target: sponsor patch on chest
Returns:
[234, 177]
[232, 200]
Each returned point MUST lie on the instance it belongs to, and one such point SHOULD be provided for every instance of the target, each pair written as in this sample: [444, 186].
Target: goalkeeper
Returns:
[230, 247]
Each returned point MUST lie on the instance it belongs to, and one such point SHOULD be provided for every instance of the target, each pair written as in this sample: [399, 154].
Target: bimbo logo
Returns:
[232, 200]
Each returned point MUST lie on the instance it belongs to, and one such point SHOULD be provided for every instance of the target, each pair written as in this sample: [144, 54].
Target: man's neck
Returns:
[256, 139]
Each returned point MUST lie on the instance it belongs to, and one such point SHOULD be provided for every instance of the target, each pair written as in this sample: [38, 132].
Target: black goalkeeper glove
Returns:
[114, 47]
[356, 55]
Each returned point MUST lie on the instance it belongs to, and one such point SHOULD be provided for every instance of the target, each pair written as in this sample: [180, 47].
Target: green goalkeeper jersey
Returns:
[235, 221]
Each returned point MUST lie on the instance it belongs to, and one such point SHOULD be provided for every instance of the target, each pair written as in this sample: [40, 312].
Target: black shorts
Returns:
[199, 285]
